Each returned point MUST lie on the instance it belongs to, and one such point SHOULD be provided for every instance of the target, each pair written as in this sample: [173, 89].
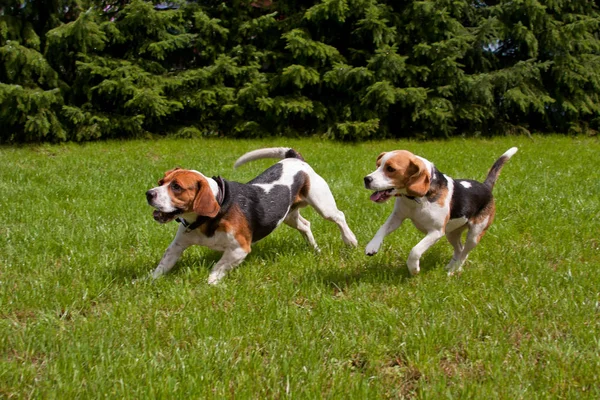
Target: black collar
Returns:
[201, 219]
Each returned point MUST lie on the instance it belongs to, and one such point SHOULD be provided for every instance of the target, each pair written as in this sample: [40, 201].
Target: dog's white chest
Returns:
[424, 215]
[219, 241]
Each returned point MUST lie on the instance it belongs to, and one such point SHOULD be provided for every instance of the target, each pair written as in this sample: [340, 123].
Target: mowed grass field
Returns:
[80, 319]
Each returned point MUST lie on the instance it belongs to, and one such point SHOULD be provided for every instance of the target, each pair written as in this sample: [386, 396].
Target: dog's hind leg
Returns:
[297, 221]
[321, 199]
[477, 226]
[474, 235]
[455, 240]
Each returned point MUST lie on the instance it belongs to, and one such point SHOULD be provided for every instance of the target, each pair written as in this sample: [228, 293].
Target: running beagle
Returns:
[437, 204]
[229, 216]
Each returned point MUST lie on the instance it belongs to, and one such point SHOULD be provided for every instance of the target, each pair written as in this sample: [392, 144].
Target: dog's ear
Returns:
[161, 181]
[205, 203]
[378, 161]
[418, 180]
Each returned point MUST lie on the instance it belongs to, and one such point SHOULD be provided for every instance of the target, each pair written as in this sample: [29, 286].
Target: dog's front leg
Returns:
[415, 254]
[391, 224]
[231, 258]
[170, 257]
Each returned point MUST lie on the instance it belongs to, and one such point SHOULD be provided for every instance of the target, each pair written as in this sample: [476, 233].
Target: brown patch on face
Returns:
[190, 191]
[166, 176]
[406, 171]
[235, 223]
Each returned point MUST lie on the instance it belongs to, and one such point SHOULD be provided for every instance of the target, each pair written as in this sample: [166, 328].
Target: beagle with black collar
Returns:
[437, 204]
[229, 216]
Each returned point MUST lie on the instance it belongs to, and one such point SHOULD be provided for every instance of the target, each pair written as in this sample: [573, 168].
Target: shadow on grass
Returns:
[372, 271]
[379, 270]
[139, 269]
[358, 268]
[198, 257]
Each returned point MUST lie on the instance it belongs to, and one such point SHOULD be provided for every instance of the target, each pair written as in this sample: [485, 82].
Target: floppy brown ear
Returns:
[418, 182]
[169, 172]
[205, 203]
[379, 158]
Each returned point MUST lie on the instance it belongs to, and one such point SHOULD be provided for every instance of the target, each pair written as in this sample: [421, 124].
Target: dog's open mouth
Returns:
[164, 217]
[381, 195]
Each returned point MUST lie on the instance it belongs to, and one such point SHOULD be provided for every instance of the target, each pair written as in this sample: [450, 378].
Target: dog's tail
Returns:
[497, 167]
[271, 152]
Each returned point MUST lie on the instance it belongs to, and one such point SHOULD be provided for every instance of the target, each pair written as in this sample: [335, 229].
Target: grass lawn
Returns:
[79, 319]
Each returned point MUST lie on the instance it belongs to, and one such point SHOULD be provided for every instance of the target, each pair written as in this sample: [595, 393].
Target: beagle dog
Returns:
[437, 204]
[229, 216]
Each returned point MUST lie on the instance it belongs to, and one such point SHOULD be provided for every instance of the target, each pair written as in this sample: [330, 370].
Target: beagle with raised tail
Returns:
[229, 216]
[437, 204]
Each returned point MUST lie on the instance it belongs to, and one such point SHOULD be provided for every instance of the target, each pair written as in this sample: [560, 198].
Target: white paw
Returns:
[142, 279]
[413, 267]
[215, 277]
[157, 273]
[372, 248]
[451, 266]
[455, 271]
[454, 267]
[351, 241]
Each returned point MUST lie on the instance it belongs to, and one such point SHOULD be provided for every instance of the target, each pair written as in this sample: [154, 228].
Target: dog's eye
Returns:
[175, 187]
[389, 168]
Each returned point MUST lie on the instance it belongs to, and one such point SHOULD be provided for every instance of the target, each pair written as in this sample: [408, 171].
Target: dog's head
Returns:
[398, 172]
[182, 191]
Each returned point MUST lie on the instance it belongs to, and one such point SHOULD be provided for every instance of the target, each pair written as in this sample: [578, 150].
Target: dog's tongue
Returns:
[380, 196]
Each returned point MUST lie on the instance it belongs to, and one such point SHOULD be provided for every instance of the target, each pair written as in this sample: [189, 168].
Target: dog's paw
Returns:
[455, 271]
[157, 273]
[350, 240]
[142, 279]
[414, 271]
[372, 248]
[215, 277]
[413, 267]
[454, 267]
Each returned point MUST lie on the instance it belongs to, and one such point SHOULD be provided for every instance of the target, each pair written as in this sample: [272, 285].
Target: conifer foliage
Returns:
[347, 69]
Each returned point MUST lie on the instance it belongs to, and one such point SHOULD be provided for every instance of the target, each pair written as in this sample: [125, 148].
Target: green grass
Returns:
[78, 319]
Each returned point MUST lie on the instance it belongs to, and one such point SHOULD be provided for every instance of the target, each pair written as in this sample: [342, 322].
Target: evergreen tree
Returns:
[347, 69]
[31, 92]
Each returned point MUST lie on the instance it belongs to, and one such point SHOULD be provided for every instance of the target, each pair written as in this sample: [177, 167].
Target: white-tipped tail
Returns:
[497, 167]
[271, 152]
[510, 152]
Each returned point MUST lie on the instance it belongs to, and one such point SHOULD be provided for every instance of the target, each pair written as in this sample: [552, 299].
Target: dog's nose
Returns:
[150, 195]
[368, 181]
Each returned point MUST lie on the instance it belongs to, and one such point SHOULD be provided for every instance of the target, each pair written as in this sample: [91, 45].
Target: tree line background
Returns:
[346, 69]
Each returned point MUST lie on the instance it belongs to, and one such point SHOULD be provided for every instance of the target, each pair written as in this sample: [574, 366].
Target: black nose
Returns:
[150, 194]
[368, 180]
